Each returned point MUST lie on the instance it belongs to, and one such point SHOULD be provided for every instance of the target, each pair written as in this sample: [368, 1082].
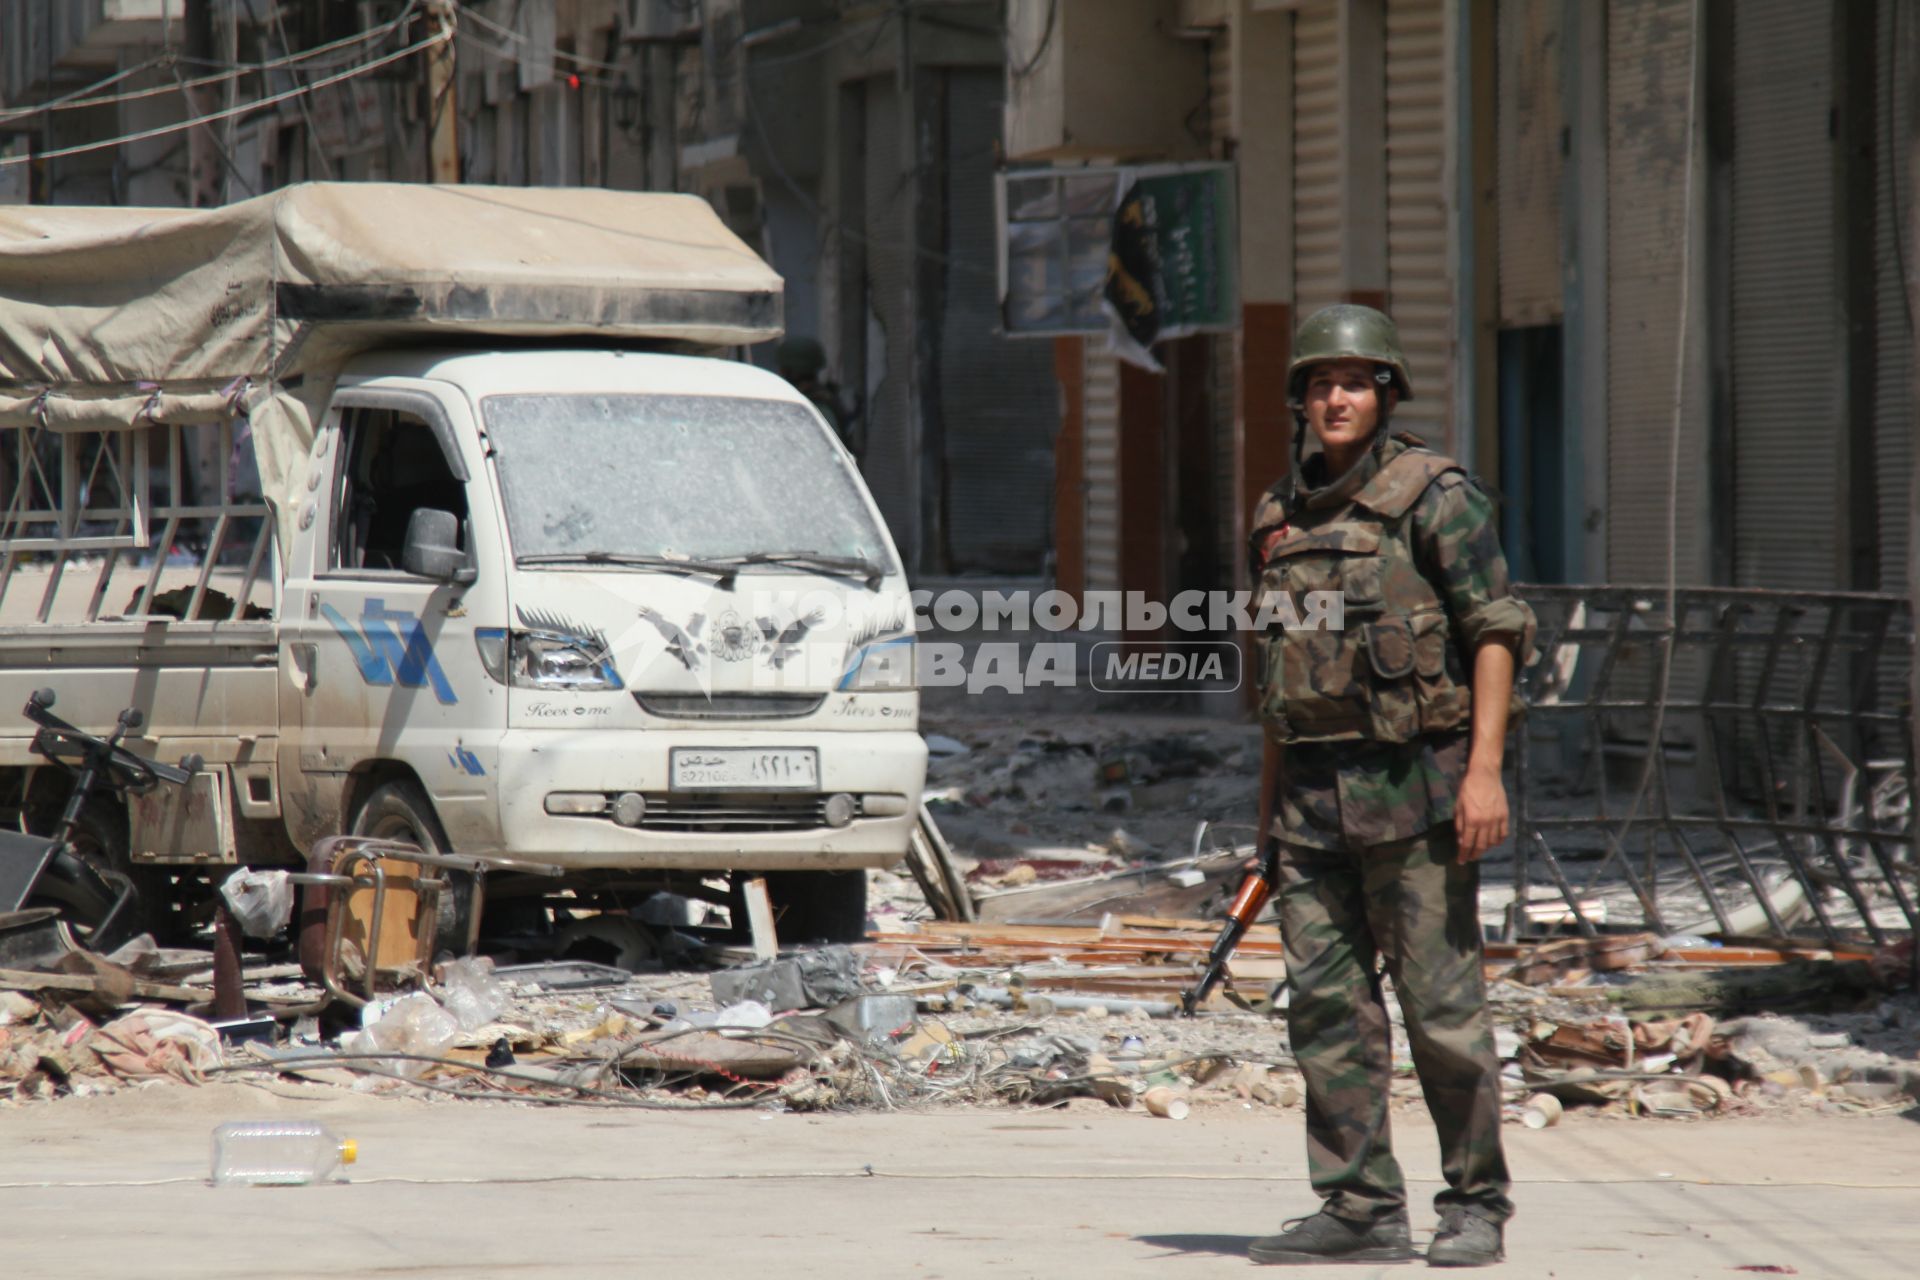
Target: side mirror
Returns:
[433, 548]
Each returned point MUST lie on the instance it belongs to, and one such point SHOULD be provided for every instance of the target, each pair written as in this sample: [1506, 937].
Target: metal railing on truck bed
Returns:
[153, 519]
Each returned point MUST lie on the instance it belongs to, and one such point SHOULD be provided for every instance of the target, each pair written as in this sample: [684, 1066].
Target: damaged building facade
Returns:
[1630, 244]
[1577, 212]
[854, 145]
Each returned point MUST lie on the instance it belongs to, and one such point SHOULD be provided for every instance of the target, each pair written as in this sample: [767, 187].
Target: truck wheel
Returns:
[819, 906]
[100, 841]
[401, 811]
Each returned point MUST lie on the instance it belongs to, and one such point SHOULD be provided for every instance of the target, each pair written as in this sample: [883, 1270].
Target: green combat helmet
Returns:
[1346, 331]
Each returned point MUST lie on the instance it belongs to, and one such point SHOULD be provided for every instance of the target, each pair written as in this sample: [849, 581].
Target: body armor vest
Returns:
[1393, 671]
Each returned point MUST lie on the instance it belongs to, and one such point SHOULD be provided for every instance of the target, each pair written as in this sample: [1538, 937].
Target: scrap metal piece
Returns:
[34, 939]
[1754, 716]
[22, 859]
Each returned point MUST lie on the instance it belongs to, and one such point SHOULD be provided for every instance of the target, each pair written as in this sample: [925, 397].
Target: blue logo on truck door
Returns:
[391, 647]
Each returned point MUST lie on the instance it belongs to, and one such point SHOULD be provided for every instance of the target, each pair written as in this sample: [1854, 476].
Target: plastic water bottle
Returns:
[279, 1153]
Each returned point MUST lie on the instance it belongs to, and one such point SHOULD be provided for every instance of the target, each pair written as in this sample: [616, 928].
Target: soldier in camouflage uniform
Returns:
[1381, 791]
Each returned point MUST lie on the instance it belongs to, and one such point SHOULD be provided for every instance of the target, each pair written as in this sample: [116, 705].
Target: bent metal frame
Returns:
[1785, 743]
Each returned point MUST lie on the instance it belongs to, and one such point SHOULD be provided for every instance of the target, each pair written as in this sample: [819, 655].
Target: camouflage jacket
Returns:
[1374, 715]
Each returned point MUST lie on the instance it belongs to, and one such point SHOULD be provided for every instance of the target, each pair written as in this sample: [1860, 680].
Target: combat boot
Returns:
[1325, 1238]
[1465, 1240]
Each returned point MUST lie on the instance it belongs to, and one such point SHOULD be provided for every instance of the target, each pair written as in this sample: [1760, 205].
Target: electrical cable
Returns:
[480, 44]
[361, 1062]
[74, 97]
[829, 224]
[997, 1175]
[852, 31]
[1046, 40]
[220, 148]
[576, 58]
[440, 37]
[231, 71]
[1618, 840]
[306, 108]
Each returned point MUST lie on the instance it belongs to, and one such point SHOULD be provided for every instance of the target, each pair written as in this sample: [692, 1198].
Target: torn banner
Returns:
[1170, 270]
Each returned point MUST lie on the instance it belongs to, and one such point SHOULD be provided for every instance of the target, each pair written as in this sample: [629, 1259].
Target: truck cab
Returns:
[669, 632]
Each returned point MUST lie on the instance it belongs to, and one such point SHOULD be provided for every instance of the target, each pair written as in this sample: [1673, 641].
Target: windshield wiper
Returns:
[724, 572]
[845, 566]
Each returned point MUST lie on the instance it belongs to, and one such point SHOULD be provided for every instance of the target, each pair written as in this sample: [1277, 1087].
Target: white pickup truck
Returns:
[437, 513]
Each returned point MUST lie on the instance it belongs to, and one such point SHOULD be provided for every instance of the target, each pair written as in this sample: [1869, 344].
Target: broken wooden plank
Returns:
[89, 984]
[989, 934]
[766, 944]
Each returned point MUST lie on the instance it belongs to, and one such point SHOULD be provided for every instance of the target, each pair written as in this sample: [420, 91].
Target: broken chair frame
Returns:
[355, 863]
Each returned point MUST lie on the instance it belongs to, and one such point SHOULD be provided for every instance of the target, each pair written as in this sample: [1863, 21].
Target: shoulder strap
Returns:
[1269, 514]
[1403, 479]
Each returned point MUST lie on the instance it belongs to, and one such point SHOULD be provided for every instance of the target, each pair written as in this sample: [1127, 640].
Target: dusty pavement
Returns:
[113, 1186]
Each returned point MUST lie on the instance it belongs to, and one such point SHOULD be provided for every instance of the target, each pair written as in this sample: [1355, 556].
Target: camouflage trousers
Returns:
[1409, 905]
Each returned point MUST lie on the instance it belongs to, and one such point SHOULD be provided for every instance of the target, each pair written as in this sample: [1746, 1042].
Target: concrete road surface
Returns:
[114, 1186]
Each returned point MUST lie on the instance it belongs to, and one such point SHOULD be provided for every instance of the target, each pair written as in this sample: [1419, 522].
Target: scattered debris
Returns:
[1062, 995]
[817, 979]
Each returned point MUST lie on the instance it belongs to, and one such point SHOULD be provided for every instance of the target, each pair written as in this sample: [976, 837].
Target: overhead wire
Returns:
[1046, 42]
[1658, 727]
[75, 97]
[480, 44]
[228, 71]
[578, 59]
[219, 147]
[444, 34]
[851, 32]
[306, 108]
[829, 224]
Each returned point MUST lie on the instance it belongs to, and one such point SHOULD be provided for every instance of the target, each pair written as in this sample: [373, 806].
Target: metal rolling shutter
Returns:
[1648, 55]
[1316, 158]
[1419, 288]
[1789, 371]
[1529, 121]
[1101, 388]
[999, 405]
[891, 463]
[1222, 345]
[1789, 378]
[1893, 323]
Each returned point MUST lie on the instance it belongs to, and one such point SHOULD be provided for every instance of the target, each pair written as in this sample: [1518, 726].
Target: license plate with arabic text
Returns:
[745, 769]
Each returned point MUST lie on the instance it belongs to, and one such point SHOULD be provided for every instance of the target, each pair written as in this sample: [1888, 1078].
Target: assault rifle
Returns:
[1248, 902]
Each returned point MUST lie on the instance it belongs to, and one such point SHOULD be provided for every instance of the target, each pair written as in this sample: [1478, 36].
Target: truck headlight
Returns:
[884, 664]
[545, 660]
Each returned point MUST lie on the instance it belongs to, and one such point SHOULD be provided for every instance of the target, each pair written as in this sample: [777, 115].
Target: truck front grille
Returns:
[729, 706]
[734, 811]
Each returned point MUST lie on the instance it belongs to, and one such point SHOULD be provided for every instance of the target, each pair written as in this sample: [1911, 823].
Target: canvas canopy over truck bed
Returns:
[117, 319]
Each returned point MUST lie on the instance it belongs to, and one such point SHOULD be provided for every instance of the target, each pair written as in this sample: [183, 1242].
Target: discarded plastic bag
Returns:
[471, 993]
[262, 901]
[413, 1024]
[747, 1013]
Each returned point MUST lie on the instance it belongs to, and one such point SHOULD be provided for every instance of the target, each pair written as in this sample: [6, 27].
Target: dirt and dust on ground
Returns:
[1099, 852]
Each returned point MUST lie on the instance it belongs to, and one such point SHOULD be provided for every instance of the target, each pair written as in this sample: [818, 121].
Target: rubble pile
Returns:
[990, 1014]
[1035, 813]
[1065, 991]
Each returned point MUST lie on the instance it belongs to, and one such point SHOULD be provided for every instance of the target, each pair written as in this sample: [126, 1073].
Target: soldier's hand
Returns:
[1480, 816]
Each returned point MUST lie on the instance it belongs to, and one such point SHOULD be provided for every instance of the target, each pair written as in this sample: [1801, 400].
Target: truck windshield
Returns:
[607, 479]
